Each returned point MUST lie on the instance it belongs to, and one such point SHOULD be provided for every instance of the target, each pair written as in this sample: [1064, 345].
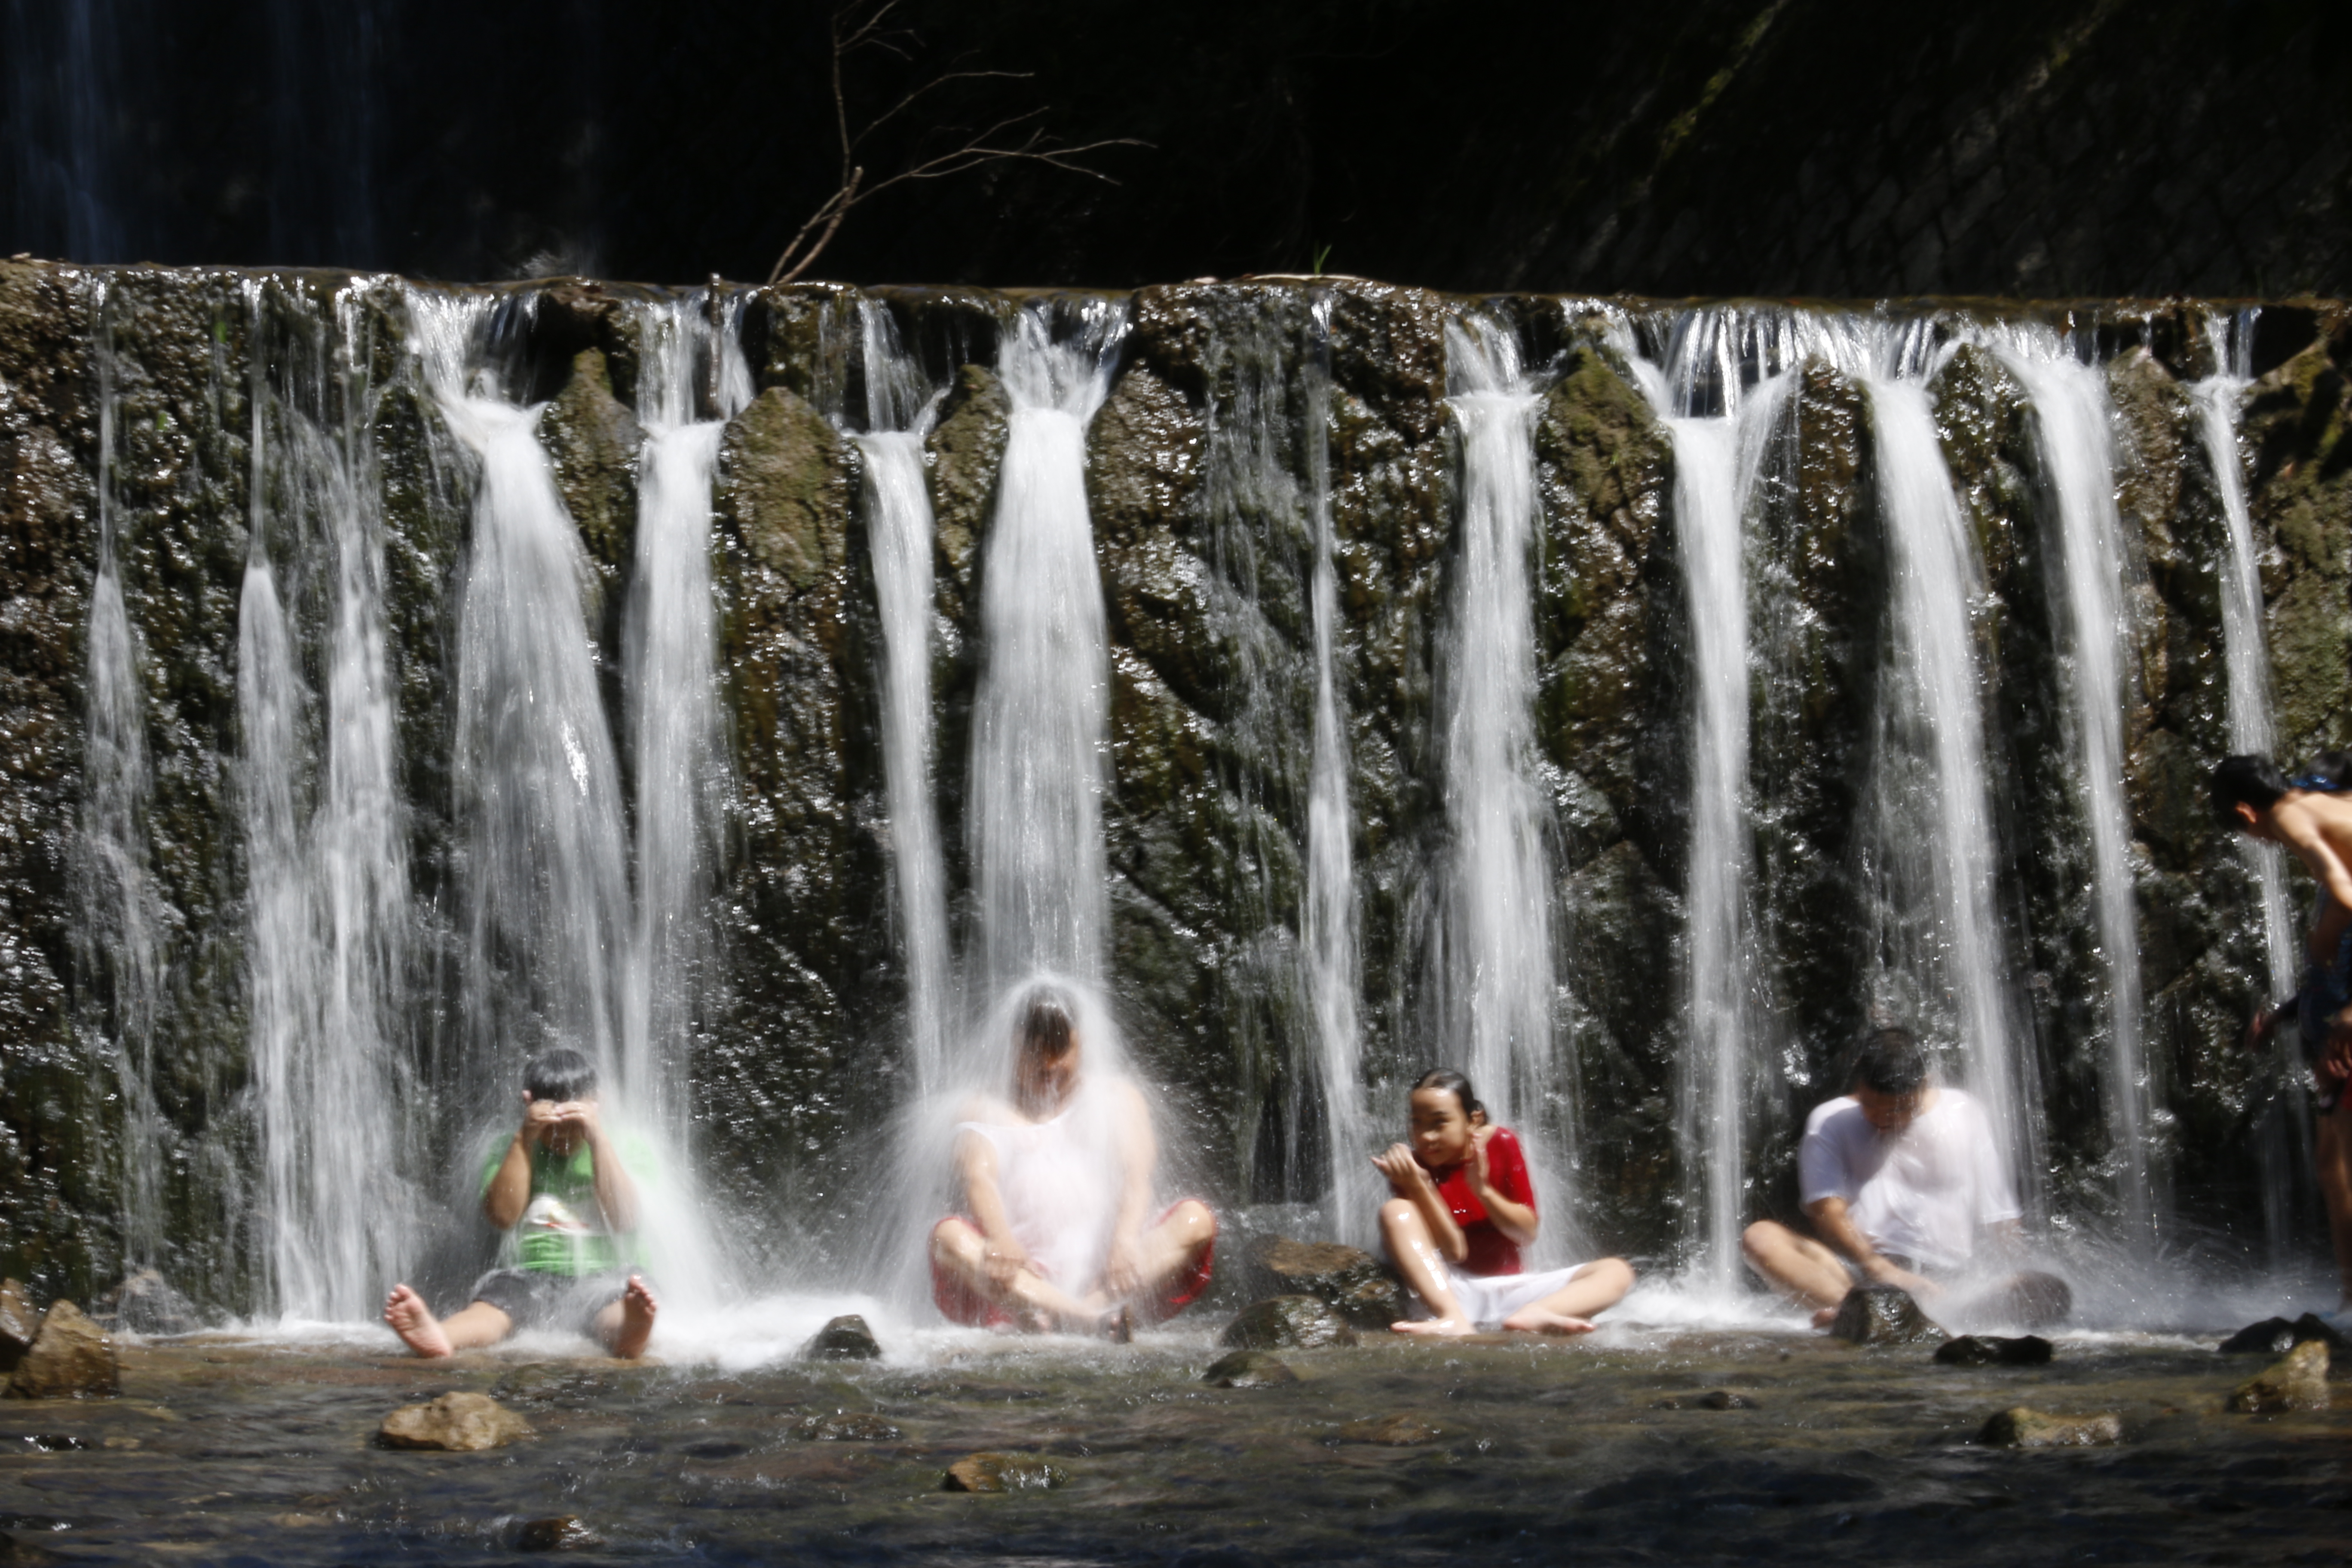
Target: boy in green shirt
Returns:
[562, 1187]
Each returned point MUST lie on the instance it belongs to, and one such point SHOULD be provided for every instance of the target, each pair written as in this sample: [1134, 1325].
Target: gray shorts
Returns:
[535, 1298]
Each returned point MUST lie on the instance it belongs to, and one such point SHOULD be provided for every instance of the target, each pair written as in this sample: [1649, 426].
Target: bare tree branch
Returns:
[859, 25]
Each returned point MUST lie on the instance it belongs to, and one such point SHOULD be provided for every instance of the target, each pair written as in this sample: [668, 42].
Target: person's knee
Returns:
[1613, 1273]
[949, 1240]
[1760, 1239]
[1196, 1223]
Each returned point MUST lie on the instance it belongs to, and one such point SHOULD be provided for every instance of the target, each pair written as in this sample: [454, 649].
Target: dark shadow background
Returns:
[1784, 147]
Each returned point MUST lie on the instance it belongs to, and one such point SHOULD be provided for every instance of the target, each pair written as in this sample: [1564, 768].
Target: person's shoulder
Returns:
[1845, 1107]
[1504, 1140]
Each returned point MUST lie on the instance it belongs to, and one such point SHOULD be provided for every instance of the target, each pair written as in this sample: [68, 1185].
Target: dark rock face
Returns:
[845, 1338]
[1364, 1291]
[2276, 1336]
[1288, 1322]
[1883, 1315]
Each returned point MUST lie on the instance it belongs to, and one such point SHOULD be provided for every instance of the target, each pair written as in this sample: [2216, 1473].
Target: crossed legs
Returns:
[1171, 1248]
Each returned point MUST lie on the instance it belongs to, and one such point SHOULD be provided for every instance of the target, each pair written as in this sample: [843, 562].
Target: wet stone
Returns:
[1390, 1432]
[1991, 1350]
[846, 1338]
[19, 1323]
[2272, 1336]
[1288, 1322]
[1248, 1369]
[1357, 1285]
[559, 1532]
[1713, 1399]
[71, 1358]
[2030, 1299]
[847, 1426]
[1883, 1315]
[460, 1423]
[2296, 1382]
[146, 1304]
[2021, 1428]
[1001, 1473]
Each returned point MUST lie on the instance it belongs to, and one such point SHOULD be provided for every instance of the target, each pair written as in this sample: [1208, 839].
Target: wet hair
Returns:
[1454, 1084]
[1047, 1027]
[2327, 771]
[561, 1073]
[2246, 779]
[1890, 1062]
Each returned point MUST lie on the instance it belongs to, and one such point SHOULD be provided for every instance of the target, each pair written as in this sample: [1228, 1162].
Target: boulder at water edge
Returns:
[71, 1358]
[460, 1423]
[846, 1338]
[1001, 1473]
[1288, 1323]
[2298, 1382]
[146, 1304]
[2024, 1428]
[2276, 1336]
[1357, 1285]
[1884, 1315]
[19, 1323]
[1248, 1369]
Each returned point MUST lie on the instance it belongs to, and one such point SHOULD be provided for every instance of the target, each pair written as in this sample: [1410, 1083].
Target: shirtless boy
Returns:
[2308, 815]
[562, 1186]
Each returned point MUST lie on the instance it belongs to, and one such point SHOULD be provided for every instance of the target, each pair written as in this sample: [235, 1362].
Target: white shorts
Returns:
[1487, 1298]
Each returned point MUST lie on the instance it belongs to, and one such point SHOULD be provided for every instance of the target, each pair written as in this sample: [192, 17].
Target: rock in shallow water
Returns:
[561, 1532]
[1248, 1369]
[1713, 1399]
[1289, 1322]
[18, 1322]
[1883, 1315]
[1390, 1432]
[1001, 1473]
[847, 1426]
[460, 1423]
[1357, 1285]
[71, 1358]
[2298, 1382]
[2024, 1428]
[846, 1338]
[146, 1304]
[1991, 1350]
[2276, 1336]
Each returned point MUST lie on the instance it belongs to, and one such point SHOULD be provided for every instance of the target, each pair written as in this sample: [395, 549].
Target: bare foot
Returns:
[1435, 1328]
[637, 1309]
[1537, 1323]
[413, 1321]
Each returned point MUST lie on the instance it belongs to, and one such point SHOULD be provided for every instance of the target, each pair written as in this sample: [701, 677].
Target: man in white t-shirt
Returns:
[1899, 1179]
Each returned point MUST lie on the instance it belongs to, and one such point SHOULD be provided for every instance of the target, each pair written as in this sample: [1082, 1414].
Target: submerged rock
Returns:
[1001, 1473]
[1713, 1399]
[846, 1338]
[1360, 1287]
[1390, 1432]
[1288, 1322]
[146, 1304]
[847, 1426]
[2022, 1428]
[1248, 1369]
[2296, 1382]
[1884, 1315]
[1991, 1350]
[71, 1358]
[560, 1533]
[459, 1423]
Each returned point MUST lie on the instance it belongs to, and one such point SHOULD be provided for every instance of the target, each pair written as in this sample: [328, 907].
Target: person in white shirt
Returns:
[1901, 1179]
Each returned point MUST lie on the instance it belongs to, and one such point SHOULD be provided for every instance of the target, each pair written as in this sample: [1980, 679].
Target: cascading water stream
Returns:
[1328, 918]
[328, 895]
[898, 411]
[1719, 455]
[1495, 971]
[2073, 412]
[1039, 719]
[1931, 840]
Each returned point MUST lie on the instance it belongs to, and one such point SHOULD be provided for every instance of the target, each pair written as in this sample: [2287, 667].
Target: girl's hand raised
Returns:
[1479, 1135]
[1404, 1172]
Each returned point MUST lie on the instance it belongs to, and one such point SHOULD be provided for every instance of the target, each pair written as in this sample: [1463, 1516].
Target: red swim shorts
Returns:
[960, 1303]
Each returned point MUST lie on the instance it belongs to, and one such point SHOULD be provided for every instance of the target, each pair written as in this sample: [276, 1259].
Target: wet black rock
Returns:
[2276, 1336]
[146, 1304]
[2298, 1381]
[1362, 1288]
[847, 1426]
[1288, 1322]
[1884, 1315]
[1001, 1473]
[1713, 1399]
[1248, 1369]
[846, 1338]
[2022, 1428]
[1991, 1350]
[559, 1532]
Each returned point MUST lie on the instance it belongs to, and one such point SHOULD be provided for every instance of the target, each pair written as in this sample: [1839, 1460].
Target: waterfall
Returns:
[2072, 414]
[1495, 947]
[1328, 918]
[898, 411]
[1931, 841]
[536, 783]
[1039, 718]
[117, 935]
[1718, 453]
[326, 891]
